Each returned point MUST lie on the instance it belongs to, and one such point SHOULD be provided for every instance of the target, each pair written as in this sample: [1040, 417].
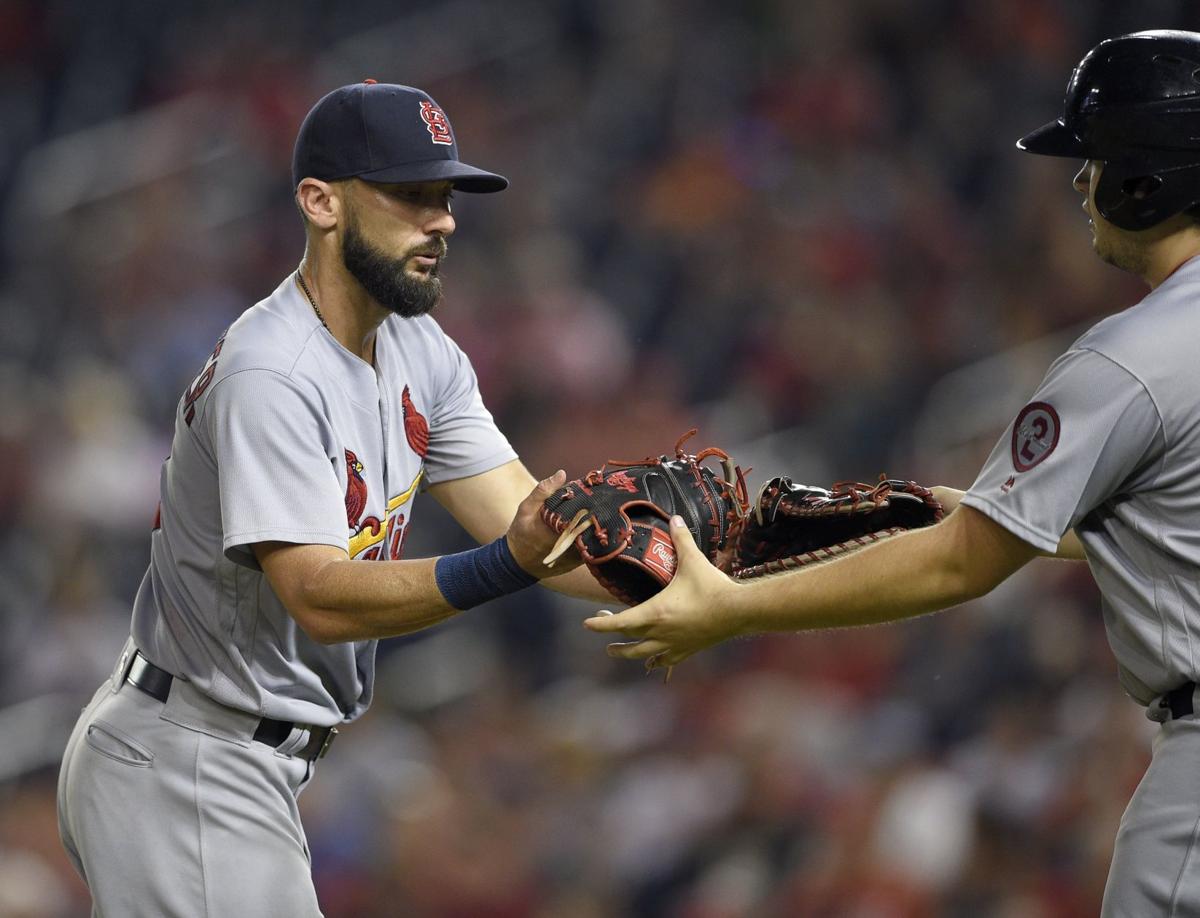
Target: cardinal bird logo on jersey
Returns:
[416, 428]
[356, 490]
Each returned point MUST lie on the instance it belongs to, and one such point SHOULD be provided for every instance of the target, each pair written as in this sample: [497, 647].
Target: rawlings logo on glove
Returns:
[619, 519]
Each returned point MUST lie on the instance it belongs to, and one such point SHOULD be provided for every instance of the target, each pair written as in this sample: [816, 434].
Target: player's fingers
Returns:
[638, 650]
[685, 546]
[669, 658]
[548, 486]
[629, 622]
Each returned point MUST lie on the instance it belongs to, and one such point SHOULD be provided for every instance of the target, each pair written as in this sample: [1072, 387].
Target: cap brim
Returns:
[465, 178]
[1053, 139]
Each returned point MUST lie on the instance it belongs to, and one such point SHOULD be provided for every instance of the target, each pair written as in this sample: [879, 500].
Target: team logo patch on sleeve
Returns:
[1035, 434]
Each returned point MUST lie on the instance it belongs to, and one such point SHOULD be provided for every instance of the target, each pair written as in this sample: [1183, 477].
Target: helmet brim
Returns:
[1053, 139]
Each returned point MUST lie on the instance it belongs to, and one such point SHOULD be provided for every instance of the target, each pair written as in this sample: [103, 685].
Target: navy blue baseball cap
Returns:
[383, 132]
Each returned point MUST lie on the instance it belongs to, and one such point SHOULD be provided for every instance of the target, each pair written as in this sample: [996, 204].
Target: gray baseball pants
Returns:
[173, 810]
[1156, 863]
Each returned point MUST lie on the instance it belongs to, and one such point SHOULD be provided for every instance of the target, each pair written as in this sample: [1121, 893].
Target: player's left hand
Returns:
[530, 538]
[696, 610]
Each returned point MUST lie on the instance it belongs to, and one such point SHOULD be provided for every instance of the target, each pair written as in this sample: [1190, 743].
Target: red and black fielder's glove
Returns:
[618, 516]
[793, 525]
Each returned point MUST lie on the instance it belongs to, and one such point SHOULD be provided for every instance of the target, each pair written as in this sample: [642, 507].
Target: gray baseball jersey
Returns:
[287, 436]
[1110, 446]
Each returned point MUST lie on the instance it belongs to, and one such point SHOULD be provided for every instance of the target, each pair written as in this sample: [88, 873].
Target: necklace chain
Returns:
[311, 301]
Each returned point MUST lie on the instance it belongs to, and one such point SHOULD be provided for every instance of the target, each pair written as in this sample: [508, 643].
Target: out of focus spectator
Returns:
[783, 223]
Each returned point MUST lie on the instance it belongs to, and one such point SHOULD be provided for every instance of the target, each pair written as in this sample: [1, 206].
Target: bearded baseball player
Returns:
[276, 558]
[1102, 465]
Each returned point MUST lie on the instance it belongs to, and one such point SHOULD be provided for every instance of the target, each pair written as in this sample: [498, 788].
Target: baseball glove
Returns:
[618, 517]
[793, 525]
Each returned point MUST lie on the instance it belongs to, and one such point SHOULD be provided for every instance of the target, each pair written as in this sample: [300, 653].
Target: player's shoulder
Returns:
[273, 335]
[256, 357]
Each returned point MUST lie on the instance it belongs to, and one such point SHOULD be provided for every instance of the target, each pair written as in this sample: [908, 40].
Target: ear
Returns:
[320, 202]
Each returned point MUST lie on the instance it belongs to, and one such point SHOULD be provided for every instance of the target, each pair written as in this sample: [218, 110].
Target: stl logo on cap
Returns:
[435, 121]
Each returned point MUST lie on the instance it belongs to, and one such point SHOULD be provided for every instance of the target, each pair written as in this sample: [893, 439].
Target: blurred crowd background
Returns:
[800, 227]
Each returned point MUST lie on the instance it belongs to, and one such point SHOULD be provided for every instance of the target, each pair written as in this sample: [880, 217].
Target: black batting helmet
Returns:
[1134, 103]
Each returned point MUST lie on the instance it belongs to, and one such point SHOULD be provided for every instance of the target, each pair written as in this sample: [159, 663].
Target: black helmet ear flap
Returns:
[1133, 200]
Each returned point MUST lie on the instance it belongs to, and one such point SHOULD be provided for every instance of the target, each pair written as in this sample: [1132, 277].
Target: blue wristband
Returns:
[488, 572]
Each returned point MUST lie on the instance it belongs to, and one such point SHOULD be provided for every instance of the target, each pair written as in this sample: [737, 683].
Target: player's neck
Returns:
[1167, 254]
[344, 307]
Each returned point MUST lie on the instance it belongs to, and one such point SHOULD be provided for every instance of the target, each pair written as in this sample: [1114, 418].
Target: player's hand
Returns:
[696, 610]
[530, 539]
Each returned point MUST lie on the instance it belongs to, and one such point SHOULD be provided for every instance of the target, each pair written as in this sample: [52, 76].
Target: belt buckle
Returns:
[329, 738]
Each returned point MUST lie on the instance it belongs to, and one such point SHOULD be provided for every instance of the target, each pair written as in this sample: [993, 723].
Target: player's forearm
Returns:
[346, 600]
[877, 584]
[912, 574]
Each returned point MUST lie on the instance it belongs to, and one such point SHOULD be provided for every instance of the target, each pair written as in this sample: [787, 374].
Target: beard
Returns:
[1124, 254]
[385, 278]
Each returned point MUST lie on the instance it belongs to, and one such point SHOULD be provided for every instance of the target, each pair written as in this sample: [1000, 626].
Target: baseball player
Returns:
[1102, 464]
[277, 555]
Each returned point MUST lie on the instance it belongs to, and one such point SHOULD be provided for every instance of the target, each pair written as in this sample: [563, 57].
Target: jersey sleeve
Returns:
[1090, 428]
[276, 478]
[463, 438]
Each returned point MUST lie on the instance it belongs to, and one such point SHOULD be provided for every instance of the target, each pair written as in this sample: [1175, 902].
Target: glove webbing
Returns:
[816, 556]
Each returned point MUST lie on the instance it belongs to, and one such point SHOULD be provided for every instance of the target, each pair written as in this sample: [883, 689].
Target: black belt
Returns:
[1179, 700]
[156, 683]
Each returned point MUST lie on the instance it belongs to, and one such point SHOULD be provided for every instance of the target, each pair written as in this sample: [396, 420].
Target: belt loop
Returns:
[1158, 710]
[309, 743]
[293, 743]
[121, 671]
[1172, 705]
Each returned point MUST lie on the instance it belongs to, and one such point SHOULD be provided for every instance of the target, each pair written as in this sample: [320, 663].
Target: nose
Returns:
[1083, 178]
[440, 222]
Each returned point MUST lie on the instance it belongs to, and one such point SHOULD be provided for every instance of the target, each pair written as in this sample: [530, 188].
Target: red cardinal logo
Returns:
[356, 490]
[416, 428]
